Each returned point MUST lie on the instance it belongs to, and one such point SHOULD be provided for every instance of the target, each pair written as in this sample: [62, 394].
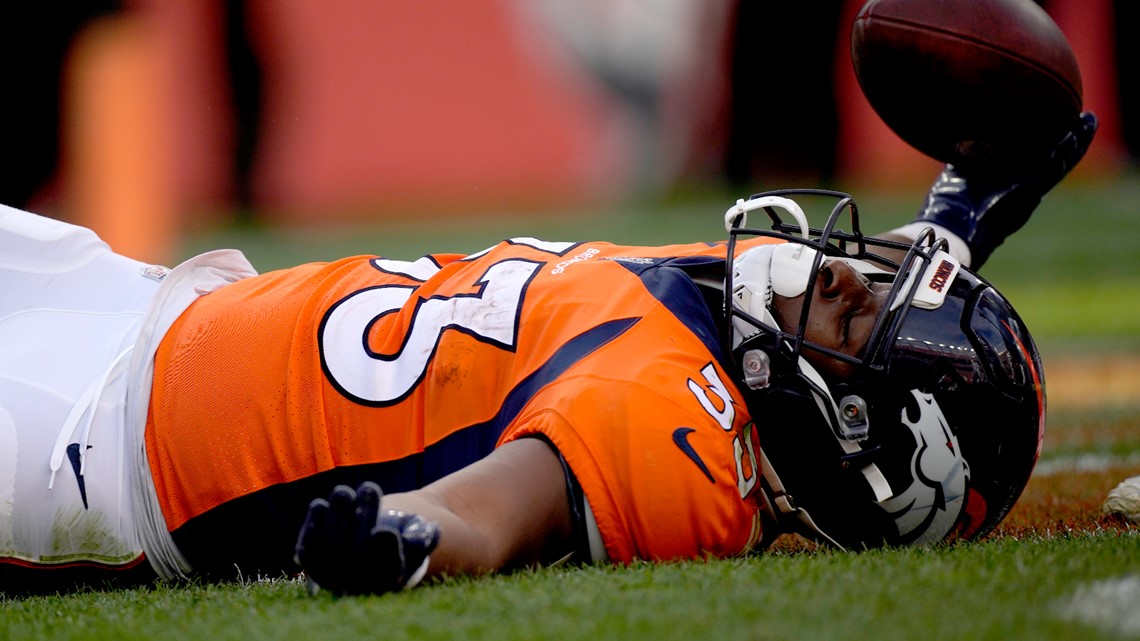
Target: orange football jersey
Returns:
[271, 390]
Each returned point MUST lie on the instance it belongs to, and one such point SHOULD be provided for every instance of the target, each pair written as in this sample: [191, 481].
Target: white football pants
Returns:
[70, 312]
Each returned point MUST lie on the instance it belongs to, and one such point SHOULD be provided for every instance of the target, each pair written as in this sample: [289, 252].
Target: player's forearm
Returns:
[508, 510]
[463, 548]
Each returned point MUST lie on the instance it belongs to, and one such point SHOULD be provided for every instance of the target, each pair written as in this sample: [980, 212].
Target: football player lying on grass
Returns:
[534, 402]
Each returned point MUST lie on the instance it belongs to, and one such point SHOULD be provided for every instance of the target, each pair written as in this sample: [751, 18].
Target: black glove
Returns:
[983, 207]
[347, 545]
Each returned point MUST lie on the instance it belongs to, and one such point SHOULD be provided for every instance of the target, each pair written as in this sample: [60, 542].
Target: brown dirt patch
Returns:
[1071, 500]
[1085, 382]
[1063, 503]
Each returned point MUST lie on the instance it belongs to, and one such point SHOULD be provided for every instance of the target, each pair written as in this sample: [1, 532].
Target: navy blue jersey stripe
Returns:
[671, 286]
[466, 446]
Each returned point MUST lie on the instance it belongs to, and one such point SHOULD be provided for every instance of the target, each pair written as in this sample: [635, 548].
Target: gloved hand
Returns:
[348, 545]
[984, 207]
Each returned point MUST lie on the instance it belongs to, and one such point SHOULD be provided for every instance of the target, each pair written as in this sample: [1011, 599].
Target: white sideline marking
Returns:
[1085, 463]
[1109, 605]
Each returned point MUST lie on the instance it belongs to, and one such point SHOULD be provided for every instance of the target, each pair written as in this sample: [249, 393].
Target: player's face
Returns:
[843, 311]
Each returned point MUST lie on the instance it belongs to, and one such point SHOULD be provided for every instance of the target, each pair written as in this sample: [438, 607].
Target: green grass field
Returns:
[1008, 589]
[1058, 572]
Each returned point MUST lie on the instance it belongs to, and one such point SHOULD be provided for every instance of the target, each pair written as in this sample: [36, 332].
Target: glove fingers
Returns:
[342, 499]
[1089, 124]
[1070, 150]
[342, 513]
[348, 545]
[1082, 138]
[387, 541]
[368, 496]
[386, 559]
[322, 543]
[314, 532]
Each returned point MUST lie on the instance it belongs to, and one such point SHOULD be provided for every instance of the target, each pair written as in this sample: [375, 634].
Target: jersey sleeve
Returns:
[666, 460]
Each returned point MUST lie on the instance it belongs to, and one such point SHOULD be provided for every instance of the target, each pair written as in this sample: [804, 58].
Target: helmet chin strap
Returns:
[785, 503]
[828, 408]
[737, 215]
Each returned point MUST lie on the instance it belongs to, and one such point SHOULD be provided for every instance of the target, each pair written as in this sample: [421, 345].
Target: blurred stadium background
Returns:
[308, 129]
[153, 120]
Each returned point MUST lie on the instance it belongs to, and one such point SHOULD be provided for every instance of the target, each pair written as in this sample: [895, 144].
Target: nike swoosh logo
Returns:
[681, 439]
[73, 456]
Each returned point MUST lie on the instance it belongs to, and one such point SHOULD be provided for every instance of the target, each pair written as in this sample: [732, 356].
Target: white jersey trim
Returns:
[196, 277]
[593, 536]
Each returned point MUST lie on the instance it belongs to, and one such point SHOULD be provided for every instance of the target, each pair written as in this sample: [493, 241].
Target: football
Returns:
[970, 82]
